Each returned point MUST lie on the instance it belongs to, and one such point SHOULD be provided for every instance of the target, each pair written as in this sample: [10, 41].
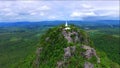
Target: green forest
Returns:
[18, 45]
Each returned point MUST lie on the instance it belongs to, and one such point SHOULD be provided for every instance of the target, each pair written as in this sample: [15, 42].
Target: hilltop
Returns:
[69, 48]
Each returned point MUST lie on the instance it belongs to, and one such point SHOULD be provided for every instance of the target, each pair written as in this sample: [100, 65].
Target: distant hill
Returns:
[59, 22]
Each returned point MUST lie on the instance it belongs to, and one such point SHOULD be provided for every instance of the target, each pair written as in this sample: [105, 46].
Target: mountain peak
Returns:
[71, 48]
[61, 47]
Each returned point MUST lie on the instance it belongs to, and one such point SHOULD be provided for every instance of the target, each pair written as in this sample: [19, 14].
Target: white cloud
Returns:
[33, 13]
[82, 14]
[6, 9]
[42, 14]
[45, 7]
[51, 17]
[90, 14]
[86, 6]
[76, 14]
[44, 10]
[110, 13]
[37, 13]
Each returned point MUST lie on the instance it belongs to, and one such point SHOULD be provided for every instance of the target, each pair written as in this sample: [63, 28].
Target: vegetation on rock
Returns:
[18, 45]
[57, 45]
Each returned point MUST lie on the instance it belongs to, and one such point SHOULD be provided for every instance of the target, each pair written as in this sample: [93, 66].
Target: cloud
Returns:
[51, 17]
[86, 6]
[82, 14]
[6, 9]
[56, 10]
[45, 7]
[33, 13]
[11, 14]
[110, 13]
[42, 14]
[76, 14]
[37, 14]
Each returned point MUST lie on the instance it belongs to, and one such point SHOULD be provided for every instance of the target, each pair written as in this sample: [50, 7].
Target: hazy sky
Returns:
[12, 11]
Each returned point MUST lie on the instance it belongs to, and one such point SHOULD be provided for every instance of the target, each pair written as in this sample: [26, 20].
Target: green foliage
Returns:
[53, 47]
[53, 44]
[109, 44]
[54, 50]
[18, 46]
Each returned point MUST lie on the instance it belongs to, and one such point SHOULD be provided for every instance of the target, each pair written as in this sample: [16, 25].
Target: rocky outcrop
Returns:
[90, 52]
[60, 64]
[67, 36]
[47, 39]
[74, 53]
[37, 60]
[73, 49]
[70, 51]
[88, 65]
[67, 53]
[70, 36]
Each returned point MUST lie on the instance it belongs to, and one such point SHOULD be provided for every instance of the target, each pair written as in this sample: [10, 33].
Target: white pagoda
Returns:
[66, 26]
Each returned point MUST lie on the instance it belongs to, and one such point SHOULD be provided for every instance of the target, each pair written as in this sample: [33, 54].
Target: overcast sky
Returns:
[14, 11]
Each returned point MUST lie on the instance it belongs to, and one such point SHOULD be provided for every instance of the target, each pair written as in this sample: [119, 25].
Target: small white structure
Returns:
[66, 26]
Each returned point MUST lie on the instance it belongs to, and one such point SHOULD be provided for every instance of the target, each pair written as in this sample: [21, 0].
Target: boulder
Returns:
[88, 65]
[72, 49]
[37, 60]
[89, 53]
[47, 39]
[38, 51]
[60, 64]
[67, 53]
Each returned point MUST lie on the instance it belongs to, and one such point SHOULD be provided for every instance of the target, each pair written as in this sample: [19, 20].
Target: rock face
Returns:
[90, 52]
[73, 49]
[60, 64]
[70, 50]
[47, 39]
[37, 60]
[67, 53]
[61, 54]
[69, 36]
[88, 65]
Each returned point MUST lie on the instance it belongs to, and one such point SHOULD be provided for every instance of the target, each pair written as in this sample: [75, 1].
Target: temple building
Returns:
[66, 26]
